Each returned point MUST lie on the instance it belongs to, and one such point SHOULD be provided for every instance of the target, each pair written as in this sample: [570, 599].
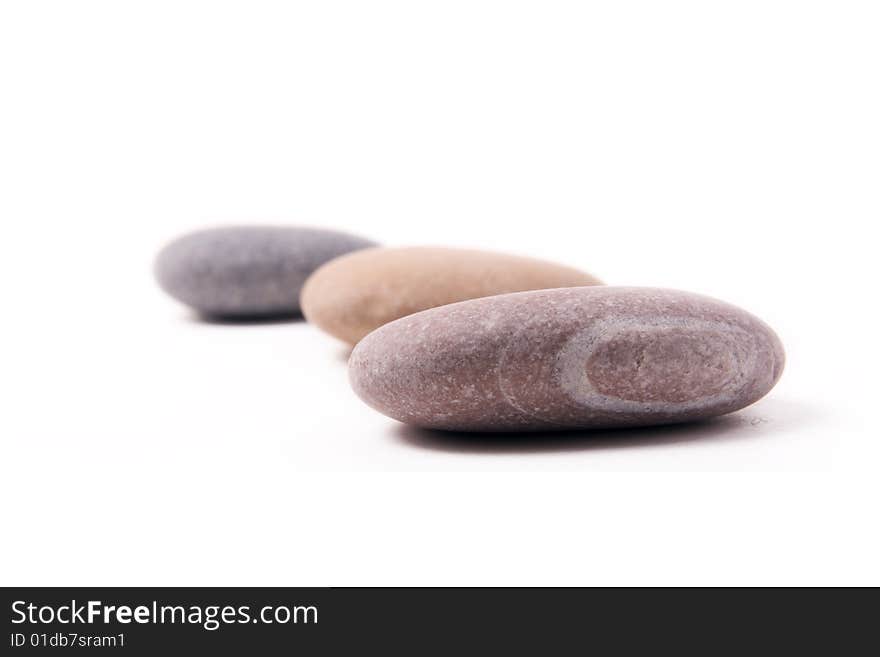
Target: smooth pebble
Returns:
[248, 271]
[360, 292]
[579, 358]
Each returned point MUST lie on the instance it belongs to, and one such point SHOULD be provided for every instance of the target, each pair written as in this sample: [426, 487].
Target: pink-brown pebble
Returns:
[575, 358]
[357, 293]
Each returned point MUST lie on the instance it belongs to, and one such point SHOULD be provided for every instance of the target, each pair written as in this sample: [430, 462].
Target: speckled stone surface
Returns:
[248, 271]
[360, 292]
[588, 357]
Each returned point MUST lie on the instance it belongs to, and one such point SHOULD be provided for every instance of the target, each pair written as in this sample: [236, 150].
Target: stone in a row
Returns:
[248, 271]
[578, 358]
[357, 293]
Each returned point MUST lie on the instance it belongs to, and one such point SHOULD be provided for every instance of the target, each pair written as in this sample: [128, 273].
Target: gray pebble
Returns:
[585, 357]
[248, 271]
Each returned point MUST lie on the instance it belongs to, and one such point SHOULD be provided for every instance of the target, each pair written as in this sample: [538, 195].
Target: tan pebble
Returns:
[357, 293]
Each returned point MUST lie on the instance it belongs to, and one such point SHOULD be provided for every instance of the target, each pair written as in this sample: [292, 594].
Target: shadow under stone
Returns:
[250, 320]
[750, 423]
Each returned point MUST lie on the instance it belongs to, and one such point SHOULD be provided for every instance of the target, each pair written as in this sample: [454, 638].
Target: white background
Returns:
[729, 148]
